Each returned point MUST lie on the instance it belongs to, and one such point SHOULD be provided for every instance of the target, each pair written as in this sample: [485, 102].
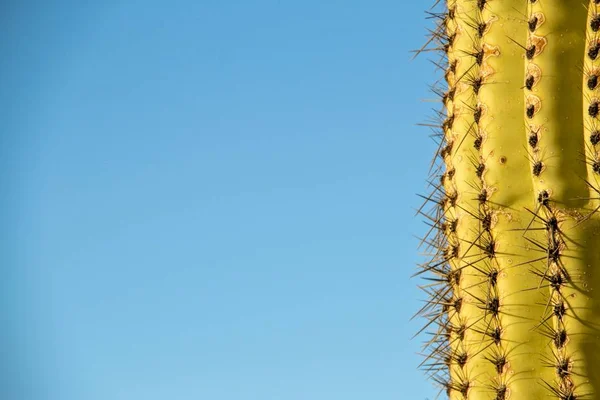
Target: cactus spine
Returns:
[513, 271]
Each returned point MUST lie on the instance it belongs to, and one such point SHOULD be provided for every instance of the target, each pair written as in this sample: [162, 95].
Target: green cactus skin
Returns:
[513, 269]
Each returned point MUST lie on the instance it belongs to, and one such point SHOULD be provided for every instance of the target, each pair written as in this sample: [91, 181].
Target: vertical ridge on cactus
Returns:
[513, 268]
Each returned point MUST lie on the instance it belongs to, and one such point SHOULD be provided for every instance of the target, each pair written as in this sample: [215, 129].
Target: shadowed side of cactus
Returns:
[513, 269]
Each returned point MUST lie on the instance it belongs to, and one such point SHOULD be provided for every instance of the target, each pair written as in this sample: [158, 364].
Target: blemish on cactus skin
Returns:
[489, 51]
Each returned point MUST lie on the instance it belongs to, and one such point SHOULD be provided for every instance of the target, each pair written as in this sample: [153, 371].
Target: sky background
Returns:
[211, 199]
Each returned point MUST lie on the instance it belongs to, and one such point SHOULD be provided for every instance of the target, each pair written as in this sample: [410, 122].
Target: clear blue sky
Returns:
[211, 199]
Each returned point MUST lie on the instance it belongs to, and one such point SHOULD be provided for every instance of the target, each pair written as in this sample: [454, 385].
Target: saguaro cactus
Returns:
[513, 269]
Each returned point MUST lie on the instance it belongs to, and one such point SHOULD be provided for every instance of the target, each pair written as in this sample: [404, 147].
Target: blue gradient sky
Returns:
[212, 199]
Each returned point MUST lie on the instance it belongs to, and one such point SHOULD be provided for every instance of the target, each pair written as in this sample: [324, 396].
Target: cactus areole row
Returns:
[512, 273]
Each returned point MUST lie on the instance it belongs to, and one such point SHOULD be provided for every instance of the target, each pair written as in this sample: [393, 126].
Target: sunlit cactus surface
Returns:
[512, 269]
